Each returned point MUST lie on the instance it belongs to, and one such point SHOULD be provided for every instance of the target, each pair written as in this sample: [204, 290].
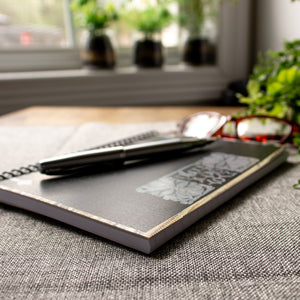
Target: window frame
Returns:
[66, 83]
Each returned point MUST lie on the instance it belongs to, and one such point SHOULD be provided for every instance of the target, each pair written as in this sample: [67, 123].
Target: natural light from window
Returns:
[33, 24]
[48, 24]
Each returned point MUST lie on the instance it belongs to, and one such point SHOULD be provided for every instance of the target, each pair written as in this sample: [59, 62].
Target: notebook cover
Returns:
[143, 205]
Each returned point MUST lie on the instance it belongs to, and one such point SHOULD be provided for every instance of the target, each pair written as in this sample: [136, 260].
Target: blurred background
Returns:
[45, 50]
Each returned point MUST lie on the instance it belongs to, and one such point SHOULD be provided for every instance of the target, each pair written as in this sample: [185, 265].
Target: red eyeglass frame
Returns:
[218, 131]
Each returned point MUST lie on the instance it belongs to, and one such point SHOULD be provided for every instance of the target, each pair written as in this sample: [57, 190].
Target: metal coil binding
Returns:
[122, 142]
[18, 172]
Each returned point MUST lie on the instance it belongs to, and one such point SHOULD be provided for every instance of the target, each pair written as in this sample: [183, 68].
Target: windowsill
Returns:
[170, 85]
[85, 72]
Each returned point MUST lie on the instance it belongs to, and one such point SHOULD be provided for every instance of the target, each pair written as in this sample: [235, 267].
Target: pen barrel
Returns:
[70, 163]
[162, 147]
[108, 157]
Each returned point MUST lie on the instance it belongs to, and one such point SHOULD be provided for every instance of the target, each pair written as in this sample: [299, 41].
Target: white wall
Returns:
[276, 21]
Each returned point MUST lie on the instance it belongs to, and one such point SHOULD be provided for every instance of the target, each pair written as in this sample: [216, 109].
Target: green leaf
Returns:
[287, 76]
[94, 15]
[246, 100]
[298, 76]
[150, 19]
[253, 88]
[274, 88]
[282, 76]
[278, 110]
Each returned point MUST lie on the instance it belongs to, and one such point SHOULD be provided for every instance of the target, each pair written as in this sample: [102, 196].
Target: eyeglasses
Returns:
[256, 128]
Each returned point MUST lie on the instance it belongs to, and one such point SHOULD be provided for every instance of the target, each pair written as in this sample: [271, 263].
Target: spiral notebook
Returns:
[144, 204]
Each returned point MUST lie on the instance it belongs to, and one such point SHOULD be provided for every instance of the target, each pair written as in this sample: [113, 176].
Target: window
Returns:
[36, 24]
[46, 27]
[36, 35]
[175, 83]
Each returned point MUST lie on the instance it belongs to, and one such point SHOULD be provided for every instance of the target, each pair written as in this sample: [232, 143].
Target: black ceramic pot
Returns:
[199, 52]
[99, 53]
[148, 54]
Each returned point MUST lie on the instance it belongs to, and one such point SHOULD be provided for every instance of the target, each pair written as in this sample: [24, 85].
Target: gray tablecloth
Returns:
[246, 249]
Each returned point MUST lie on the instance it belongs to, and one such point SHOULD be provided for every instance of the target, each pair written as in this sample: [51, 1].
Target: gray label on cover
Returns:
[192, 182]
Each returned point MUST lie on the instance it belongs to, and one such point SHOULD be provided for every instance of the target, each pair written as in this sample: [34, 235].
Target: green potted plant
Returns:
[274, 86]
[198, 49]
[149, 20]
[95, 16]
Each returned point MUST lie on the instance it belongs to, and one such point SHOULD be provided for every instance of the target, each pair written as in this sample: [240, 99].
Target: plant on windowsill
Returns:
[193, 14]
[149, 20]
[95, 17]
[274, 87]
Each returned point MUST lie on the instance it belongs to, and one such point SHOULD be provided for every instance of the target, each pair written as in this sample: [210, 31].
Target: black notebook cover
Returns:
[143, 205]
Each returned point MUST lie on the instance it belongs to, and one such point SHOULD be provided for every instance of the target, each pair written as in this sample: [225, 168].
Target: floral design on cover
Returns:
[196, 180]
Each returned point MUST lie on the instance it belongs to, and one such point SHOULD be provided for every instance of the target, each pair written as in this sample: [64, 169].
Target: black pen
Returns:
[79, 161]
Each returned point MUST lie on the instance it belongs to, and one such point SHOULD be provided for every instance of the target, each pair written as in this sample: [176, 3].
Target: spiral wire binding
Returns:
[122, 142]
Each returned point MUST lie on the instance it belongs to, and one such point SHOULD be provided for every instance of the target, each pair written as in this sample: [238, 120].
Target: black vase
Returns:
[148, 54]
[99, 53]
[199, 52]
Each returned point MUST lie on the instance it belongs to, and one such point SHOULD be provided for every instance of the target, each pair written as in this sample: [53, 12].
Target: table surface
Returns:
[248, 248]
[47, 115]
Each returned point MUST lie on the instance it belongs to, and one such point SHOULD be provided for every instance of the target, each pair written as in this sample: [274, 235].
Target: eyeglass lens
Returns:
[202, 125]
[263, 129]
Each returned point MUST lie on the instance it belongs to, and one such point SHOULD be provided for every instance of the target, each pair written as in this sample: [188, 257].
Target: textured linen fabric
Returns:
[246, 249]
